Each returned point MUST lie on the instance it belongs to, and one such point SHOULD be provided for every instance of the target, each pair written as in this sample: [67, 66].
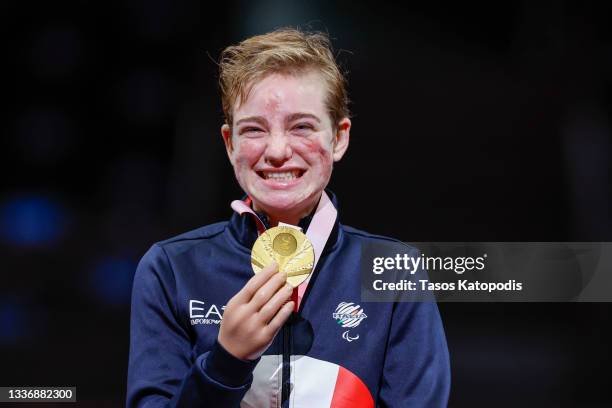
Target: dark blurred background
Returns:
[478, 121]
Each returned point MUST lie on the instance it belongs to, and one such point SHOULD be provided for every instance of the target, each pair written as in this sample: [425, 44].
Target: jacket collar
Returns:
[244, 229]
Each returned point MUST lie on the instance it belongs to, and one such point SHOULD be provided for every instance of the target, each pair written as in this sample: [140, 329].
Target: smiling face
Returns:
[282, 144]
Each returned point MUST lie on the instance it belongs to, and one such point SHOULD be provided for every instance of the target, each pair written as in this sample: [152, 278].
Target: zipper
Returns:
[286, 375]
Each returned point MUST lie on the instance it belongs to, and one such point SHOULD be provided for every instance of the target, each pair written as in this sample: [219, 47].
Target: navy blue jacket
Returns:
[336, 352]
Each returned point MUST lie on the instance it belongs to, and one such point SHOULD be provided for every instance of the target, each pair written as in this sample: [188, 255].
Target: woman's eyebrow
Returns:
[302, 115]
[258, 119]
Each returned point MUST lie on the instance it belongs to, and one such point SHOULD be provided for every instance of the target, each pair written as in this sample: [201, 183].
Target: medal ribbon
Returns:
[318, 233]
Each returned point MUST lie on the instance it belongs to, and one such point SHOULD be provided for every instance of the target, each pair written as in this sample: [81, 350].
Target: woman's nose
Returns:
[278, 150]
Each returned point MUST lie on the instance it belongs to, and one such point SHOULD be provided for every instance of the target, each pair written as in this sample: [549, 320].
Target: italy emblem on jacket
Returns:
[349, 315]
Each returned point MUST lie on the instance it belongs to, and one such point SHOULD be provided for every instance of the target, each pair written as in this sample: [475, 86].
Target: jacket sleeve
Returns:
[162, 370]
[417, 368]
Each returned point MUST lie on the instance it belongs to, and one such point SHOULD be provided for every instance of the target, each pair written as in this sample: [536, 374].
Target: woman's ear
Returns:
[226, 134]
[341, 141]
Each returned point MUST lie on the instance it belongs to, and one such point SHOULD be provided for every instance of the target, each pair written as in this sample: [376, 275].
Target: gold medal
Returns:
[289, 248]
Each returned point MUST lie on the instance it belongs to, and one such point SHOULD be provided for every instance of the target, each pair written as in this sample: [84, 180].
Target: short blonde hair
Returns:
[285, 50]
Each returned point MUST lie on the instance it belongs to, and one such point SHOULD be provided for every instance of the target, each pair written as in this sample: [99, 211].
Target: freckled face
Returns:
[282, 143]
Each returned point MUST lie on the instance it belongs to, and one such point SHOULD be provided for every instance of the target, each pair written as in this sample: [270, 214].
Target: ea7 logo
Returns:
[212, 316]
[348, 314]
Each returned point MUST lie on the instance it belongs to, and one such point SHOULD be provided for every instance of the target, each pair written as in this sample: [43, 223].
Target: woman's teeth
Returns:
[287, 175]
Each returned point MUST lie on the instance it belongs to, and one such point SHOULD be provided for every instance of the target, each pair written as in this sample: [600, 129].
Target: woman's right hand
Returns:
[254, 316]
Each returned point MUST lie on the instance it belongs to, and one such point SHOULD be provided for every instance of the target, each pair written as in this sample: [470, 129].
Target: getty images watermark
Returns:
[458, 265]
[487, 271]
[410, 263]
